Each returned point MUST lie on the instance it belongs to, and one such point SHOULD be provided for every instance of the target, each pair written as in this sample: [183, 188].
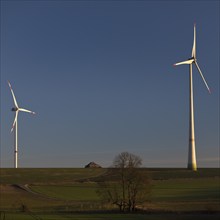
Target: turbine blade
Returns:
[194, 43]
[202, 77]
[13, 95]
[184, 62]
[25, 110]
[15, 120]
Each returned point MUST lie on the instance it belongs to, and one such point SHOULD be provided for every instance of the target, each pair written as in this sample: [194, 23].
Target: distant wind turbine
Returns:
[16, 109]
[192, 60]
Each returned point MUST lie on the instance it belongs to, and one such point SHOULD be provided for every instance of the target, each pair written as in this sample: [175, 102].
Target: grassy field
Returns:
[58, 216]
[71, 194]
[47, 175]
[75, 191]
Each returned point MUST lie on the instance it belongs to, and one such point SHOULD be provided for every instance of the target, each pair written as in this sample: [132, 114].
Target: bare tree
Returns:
[130, 188]
[127, 160]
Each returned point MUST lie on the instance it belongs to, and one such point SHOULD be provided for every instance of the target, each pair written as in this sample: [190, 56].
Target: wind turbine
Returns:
[192, 60]
[16, 109]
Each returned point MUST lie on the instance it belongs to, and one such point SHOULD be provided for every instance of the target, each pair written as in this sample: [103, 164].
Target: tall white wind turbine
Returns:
[192, 60]
[16, 109]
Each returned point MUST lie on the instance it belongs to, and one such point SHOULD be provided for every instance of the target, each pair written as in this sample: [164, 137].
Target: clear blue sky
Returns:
[100, 76]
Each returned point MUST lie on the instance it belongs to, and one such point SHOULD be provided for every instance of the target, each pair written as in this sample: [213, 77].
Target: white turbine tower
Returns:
[192, 151]
[16, 109]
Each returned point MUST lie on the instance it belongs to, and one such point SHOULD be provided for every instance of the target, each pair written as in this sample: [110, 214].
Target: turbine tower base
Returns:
[192, 166]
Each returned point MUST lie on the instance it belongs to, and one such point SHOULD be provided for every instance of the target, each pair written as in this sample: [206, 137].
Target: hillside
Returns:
[69, 190]
[69, 175]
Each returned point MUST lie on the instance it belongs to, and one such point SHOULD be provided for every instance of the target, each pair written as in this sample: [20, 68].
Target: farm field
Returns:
[58, 216]
[71, 194]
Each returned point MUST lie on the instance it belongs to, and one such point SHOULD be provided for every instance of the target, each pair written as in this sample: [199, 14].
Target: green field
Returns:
[71, 194]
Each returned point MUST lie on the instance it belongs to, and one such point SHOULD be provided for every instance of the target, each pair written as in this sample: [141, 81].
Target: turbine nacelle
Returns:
[193, 59]
[14, 109]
